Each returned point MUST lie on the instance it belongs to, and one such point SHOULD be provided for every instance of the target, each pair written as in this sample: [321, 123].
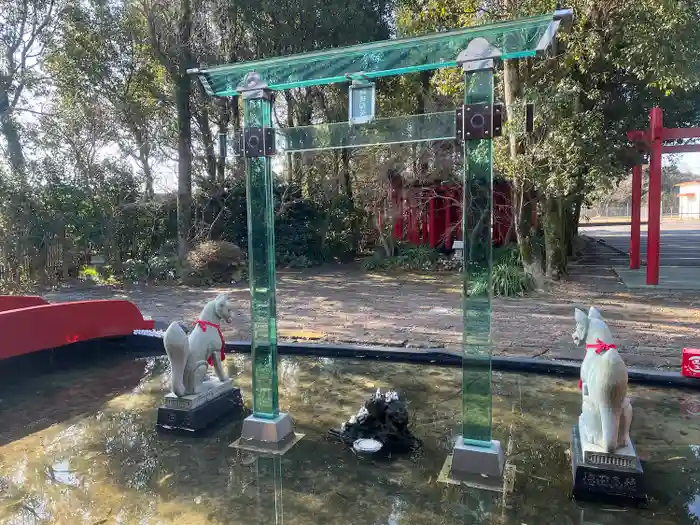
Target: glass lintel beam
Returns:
[514, 39]
[384, 131]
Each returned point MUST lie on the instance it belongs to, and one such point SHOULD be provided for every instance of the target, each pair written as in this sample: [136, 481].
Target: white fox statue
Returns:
[606, 413]
[191, 355]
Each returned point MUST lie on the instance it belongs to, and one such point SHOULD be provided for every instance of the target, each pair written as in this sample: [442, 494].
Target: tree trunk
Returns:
[66, 249]
[144, 156]
[348, 190]
[226, 109]
[578, 204]
[523, 198]
[556, 246]
[573, 209]
[14, 146]
[202, 116]
[184, 165]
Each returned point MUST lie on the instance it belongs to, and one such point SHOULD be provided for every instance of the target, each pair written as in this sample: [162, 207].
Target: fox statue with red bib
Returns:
[190, 356]
[606, 412]
[604, 461]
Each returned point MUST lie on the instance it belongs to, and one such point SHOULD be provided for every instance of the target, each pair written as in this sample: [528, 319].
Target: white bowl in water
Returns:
[367, 446]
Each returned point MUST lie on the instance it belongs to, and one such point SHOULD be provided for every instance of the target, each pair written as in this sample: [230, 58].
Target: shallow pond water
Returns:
[80, 447]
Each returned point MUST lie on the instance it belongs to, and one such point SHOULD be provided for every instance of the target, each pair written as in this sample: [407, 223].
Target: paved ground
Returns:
[670, 278]
[680, 241]
[680, 254]
[342, 304]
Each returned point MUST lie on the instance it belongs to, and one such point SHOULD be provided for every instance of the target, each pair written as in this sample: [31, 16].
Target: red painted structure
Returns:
[40, 327]
[690, 365]
[636, 216]
[12, 302]
[433, 215]
[651, 141]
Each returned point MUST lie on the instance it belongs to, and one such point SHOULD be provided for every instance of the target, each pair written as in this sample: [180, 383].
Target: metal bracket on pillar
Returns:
[479, 121]
[256, 141]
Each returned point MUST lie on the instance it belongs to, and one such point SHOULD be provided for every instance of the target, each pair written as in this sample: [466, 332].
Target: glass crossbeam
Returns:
[395, 130]
[514, 38]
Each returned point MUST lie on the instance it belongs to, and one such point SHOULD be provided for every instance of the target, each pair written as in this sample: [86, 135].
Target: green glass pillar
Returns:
[477, 290]
[257, 115]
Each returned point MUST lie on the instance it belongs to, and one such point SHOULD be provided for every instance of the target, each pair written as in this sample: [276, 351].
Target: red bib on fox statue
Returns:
[691, 362]
[203, 325]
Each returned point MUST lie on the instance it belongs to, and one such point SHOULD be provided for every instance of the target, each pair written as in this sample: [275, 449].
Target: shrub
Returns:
[509, 254]
[510, 279]
[102, 274]
[162, 268]
[135, 270]
[11, 287]
[507, 280]
[89, 273]
[289, 260]
[408, 257]
[378, 262]
[421, 257]
[307, 232]
[214, 262]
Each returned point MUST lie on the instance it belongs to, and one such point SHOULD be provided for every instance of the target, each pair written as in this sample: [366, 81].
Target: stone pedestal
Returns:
[599, 476]
[475, 466]
[271, 436]
[193, 413]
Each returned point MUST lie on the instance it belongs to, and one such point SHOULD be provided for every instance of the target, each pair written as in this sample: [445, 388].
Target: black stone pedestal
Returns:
[605, 483]
[225, 407]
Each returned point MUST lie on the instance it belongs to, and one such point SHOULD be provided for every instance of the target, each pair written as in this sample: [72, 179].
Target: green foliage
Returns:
[22, 286]
[508, 254]
[507, 275]
[89, 273]
[111, 121]
[135, 270]
[162, 268]
[307, 232]
[509, 280]
[102, 275]
[421, 258]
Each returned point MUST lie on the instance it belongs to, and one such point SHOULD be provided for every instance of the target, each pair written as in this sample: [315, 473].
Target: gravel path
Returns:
[341, 304]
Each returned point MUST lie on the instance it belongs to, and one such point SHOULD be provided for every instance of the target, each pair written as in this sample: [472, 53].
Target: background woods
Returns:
[97, 113]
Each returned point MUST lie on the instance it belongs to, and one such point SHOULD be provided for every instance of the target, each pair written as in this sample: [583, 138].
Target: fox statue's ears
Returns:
[581, 317]
[594, 313]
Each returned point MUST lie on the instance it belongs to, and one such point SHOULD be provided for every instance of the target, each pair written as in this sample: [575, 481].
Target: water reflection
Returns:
[268, 475]
[60, 472]
[100, 460]
[694, 507]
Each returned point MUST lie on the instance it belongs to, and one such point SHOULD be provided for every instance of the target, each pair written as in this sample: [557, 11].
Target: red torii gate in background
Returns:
[651, 141]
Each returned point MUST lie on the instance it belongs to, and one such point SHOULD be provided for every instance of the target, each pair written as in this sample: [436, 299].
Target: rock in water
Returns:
[383, 417]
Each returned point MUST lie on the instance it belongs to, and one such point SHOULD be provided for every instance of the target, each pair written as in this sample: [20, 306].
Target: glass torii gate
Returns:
[475, 50]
